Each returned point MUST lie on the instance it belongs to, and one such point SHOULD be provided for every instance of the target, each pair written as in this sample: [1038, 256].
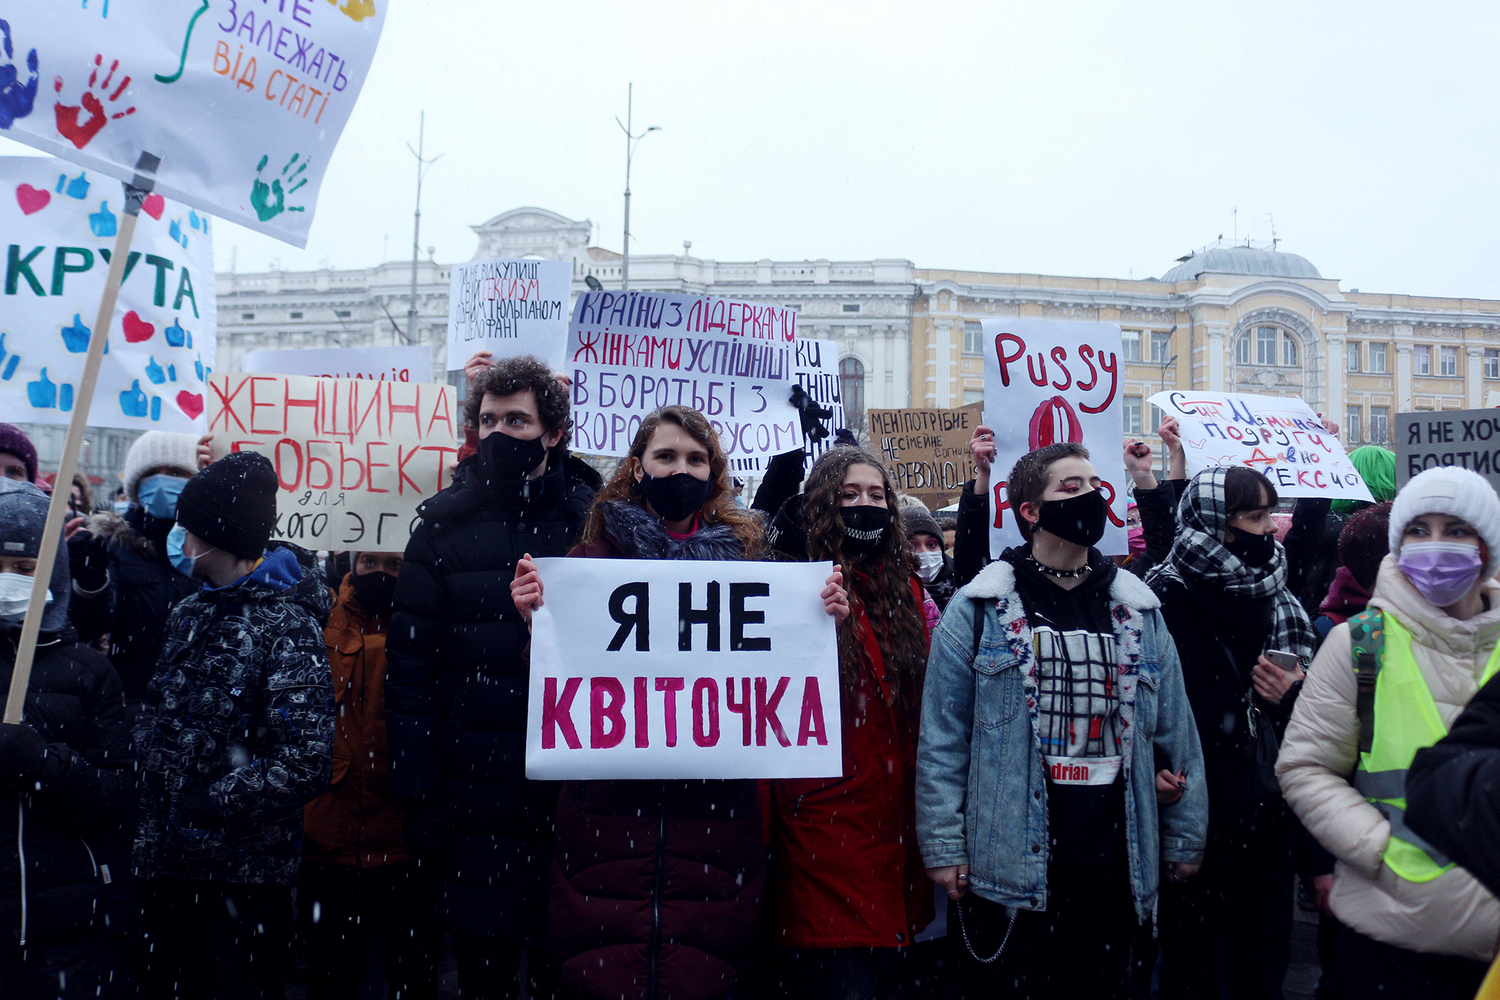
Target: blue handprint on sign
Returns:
[171, 373]
[76, 336]
[155, 407]
[17, 98]
[202, 372]
[77, 188]
[103, 221]
[155, 372]
[42, 393]
[175, 231]
[176, 335]
[133, 402]
[8, 362]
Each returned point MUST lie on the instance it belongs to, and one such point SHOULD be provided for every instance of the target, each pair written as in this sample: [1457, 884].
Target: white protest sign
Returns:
[241, 102]
[353, 457]
[815, 365]
[1280, 436]
[397, 364]
[60, 231]
[630, 353]
[510, 308]
[1048, 381]
[666, 668]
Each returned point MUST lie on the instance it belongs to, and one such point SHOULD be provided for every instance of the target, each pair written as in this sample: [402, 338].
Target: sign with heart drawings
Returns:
[57, 228]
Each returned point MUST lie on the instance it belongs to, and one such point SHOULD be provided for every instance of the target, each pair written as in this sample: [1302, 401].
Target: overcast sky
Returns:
[1086, 139]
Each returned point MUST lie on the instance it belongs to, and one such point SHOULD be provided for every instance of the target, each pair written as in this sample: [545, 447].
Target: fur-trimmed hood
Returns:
[113, 529]
[998, 580]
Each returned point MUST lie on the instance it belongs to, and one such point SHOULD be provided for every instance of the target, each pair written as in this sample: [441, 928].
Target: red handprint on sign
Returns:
[79, 124]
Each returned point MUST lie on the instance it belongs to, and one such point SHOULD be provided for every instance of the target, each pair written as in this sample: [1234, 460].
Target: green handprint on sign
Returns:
[269, 200]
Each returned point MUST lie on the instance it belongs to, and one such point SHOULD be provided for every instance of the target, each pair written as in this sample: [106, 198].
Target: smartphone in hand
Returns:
[1286, 661]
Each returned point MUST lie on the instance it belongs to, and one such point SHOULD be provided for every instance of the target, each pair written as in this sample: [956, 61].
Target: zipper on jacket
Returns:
[21, 853]
[654, 954]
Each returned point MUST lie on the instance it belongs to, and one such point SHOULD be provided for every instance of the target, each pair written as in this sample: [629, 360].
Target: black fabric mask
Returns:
[503, 457]
[1252, 550]
[1079, 519]
[376, 592]
[864, 527]
[676, 497]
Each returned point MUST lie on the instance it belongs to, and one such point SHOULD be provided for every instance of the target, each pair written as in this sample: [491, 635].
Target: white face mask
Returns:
[929, 565]
[15, 596]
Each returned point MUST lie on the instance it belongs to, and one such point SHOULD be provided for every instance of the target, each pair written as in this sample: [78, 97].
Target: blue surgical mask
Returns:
[181, 561]
[158, 495]
[121, 506]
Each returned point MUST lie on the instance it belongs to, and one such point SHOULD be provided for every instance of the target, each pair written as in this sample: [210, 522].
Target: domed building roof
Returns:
[1242, 260]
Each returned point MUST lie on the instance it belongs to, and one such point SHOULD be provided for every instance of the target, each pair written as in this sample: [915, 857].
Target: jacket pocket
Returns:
[999, 688]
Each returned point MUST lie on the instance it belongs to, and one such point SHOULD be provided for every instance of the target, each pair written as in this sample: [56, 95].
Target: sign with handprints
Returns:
[242, 102]
[58, 224]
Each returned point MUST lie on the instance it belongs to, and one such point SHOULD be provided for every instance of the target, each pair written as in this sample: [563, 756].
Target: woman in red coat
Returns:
[848, 890]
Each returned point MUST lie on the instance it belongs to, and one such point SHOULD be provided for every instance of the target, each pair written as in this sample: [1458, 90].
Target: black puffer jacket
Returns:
[456, 694]
[236, 735]
[133, 607]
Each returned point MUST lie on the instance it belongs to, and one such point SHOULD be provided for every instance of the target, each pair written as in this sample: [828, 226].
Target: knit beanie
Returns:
[1364, 542]
[1377, 467]
[154, 449]
[13, 441]
[1456, 492]
[232, 504]
[23, 514]
[918, 521]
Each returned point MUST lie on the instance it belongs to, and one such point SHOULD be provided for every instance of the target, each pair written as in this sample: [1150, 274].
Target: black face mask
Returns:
[1252, 550]
[676, 497]
[1079, 519]
[376, 592]
[503, 457]
[864, 527]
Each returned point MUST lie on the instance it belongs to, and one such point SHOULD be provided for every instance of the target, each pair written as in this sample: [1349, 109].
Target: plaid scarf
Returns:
[1199, 558]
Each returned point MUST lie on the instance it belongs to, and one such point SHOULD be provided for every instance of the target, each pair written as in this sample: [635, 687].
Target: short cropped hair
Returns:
[1028, 480]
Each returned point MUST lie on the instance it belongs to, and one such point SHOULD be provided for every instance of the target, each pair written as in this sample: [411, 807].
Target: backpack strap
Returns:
[1366, 640]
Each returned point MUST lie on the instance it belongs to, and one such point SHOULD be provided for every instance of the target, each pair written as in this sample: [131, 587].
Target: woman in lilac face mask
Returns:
[1384, 685]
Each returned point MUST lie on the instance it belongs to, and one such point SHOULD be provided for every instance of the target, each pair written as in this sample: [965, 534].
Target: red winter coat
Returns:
[845, 868]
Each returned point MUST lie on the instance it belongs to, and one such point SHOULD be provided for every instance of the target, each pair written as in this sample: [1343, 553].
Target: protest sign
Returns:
[1466, 438]
[815, 366]
[1048, 381]
[509, 308]
[236, 111]
[630, 353]
[161, 344]
[1278, 435]
[353, 457]
[668, 668]
[396, 364]
[927, 450]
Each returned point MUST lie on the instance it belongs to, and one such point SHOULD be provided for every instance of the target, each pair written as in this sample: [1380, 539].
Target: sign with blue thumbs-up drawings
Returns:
[57, 229]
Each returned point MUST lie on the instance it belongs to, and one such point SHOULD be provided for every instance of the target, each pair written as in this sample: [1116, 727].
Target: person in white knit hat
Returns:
[123, 583]
[1385, 684]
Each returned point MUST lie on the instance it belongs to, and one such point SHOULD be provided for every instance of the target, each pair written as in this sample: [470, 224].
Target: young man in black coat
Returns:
[456, 681]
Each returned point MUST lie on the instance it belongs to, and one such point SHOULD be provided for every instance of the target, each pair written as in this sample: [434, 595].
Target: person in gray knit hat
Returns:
[123, 582]
[925, 539]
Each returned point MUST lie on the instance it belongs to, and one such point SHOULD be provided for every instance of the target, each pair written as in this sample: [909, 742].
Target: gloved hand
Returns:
[23, 757]
[811, 413]
[88, 560]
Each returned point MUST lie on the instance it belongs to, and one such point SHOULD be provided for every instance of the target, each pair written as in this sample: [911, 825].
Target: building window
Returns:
[247, 315]
[1491, 363]
[295, 315]
[1352, 421]
[795, 307]
[1447, 361]
[851, 307]
[1351, 356]
[1160, 346]
[1155, 417]
[342, 313]
[1421, 360]
[973, 337]
[1133, 415]
[973, 396]
[852, 388]
[1288, 351]
[1265, 345]
[1377, 359]
[1379, 415]
[1130, 343]
[1273, 348]
[1242, 351]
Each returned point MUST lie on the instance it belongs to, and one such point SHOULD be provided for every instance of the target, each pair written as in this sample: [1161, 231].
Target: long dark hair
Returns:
[719, 508]
[878, 582]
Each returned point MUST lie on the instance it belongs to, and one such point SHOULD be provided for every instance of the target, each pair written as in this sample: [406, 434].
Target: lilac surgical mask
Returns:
[1442, 572]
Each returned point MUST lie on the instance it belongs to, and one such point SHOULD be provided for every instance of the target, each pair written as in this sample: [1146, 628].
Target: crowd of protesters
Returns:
[1065, 774]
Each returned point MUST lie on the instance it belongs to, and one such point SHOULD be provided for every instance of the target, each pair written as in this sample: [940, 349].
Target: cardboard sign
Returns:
[353, 457]
[1048, 381]
[815, 365]
[396, 364]
[664, 668]
[241, 102]
[1469, 439]
[510, 308]
[60, 224]
[632, 353]
[1278, 435]
[927, 450]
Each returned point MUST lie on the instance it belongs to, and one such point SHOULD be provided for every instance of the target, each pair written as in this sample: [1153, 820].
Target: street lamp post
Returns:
[1168, 363]
[631, 141]
[416, 228]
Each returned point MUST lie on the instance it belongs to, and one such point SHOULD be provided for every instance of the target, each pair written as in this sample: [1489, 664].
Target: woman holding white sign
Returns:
[657, 885]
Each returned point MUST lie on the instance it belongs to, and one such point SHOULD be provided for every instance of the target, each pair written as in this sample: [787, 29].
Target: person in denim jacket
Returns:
[1059, 762]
